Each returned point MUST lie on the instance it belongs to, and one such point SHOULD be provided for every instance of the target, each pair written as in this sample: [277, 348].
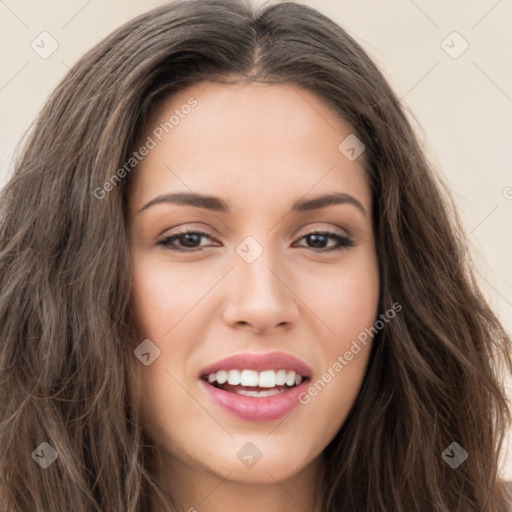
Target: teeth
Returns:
[221, 376]
[234, 377]
[256, 394]
[249, 378]
[281, 378]
[267, 379]
[290, 378]
[252, 378]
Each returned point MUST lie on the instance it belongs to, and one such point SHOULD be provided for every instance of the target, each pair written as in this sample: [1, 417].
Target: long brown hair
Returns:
[66, 329]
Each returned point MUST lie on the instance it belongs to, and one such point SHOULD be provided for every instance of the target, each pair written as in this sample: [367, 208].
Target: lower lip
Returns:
[265, 408]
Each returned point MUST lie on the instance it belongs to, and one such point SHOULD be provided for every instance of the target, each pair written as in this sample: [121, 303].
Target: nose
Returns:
[259, 297]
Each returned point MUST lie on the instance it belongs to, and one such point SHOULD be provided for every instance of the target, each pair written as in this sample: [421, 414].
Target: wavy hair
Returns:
[67, 368]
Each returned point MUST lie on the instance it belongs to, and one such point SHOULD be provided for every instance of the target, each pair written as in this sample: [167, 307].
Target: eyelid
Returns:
[187, 228]
[330, 229]
[215, 234]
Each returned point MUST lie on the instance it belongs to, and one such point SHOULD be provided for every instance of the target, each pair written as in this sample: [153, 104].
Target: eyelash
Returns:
[343, 242]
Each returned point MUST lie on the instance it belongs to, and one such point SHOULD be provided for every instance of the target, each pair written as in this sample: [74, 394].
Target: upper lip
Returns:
[260, 362]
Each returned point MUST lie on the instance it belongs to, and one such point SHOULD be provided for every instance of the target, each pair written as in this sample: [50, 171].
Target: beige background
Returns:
[464, 104]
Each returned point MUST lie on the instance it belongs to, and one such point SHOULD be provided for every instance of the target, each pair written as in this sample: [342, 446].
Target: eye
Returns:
[190, 239]
[320, 238]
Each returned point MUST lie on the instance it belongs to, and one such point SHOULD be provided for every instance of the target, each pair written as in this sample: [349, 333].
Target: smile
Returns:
[255, 391]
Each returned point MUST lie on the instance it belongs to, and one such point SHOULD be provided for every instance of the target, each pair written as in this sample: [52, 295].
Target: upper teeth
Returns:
[264, 379]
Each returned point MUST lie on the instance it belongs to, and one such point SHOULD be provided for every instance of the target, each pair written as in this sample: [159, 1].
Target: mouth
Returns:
[256, 387]
[253, 383]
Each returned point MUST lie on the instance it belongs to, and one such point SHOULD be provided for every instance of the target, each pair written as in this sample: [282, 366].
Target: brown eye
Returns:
[190, 241]
[187, 239]
[320, 239]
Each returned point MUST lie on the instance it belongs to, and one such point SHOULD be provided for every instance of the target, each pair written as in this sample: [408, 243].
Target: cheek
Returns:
[358, 302]
[345, 298]
[157, 308]
[358, 311]
[348, 305]
[160, 297]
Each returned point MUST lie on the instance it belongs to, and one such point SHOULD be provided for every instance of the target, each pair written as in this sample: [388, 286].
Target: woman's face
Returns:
[262, 288]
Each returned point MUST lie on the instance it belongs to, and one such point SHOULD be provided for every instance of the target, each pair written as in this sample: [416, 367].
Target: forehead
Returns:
[265, 111]
[268, 140]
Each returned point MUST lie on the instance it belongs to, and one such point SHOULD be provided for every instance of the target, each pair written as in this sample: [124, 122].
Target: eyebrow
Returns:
[218, 205]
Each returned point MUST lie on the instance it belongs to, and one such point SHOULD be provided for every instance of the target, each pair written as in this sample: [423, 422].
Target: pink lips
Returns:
[257, 408]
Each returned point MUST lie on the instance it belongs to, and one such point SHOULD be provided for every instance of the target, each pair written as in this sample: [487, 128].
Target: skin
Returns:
[260, 148]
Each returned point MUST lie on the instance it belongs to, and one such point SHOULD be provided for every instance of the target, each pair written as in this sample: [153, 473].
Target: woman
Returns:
[327, 349]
